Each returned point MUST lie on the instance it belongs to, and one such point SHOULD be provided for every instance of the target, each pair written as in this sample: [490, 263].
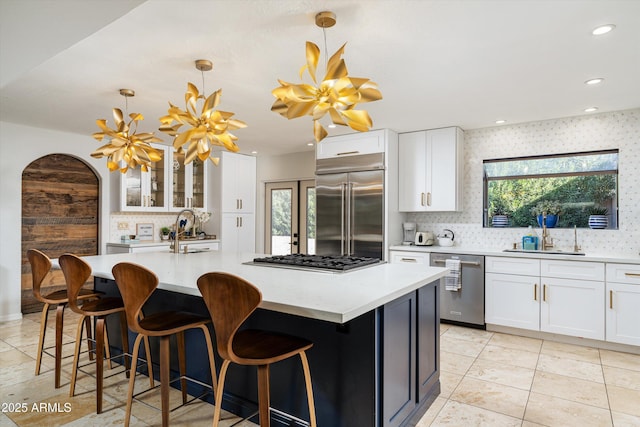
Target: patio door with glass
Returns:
[290, 217]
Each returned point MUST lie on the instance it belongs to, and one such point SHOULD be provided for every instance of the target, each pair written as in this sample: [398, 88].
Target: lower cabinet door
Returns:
[572, 307]
[623, 313]
[428, 334]
[512, 300]
[398, 359]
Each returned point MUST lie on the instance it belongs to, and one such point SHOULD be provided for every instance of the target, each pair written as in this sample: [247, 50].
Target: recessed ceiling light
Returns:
[594, 81]
[499, 122]
[254, 152]
[590, 109]
[331, 126]
[602, 29]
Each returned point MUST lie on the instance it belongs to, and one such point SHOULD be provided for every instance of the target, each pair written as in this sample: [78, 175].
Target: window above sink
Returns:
[574, 185]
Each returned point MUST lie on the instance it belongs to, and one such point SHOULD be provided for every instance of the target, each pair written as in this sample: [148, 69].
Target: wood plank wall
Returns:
[60, 200]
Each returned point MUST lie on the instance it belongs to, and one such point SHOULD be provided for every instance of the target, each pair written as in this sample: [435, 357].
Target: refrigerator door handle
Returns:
[345, 215]
[350, 219]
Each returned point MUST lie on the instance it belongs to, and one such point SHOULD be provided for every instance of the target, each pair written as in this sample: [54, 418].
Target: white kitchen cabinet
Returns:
[238, 232]
[351, 145]
[237, 182]
[146, 191]
[234, 201]
[623, 301]
[431, 170]
[512, 292]
[409, 257]
[188, 184]
[572, 298]
[572, 307]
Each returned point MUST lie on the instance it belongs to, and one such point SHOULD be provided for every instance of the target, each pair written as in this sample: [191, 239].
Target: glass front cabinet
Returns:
[188, 183]
[170, 185]
[146, 191]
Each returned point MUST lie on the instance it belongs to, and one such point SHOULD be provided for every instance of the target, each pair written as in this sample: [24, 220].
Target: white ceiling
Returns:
[437, 63]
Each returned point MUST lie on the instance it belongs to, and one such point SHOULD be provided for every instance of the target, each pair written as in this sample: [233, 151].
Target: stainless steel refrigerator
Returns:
[350, 206]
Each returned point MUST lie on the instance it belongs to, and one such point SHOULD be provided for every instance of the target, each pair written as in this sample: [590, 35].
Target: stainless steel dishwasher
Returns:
[466, 305]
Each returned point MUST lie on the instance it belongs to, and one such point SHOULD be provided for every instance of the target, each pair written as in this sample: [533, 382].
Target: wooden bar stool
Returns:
[40, 267]
[230, 301]
[76, 273]
[136, 284]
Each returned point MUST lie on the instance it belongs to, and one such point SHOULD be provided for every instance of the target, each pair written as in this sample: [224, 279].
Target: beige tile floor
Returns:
[488, 379]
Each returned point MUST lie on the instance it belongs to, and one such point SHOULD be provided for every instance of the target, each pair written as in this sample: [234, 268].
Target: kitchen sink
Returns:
[553, 252]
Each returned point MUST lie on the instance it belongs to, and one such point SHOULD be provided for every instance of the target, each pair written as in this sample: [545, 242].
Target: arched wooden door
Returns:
[60, 200]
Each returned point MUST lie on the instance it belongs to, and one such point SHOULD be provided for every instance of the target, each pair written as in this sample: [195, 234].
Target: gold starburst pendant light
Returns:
[126, 149]
[337, 94]
[203, 130]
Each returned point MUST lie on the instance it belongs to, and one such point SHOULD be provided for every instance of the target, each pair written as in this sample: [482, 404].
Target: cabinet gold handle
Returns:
[544, 293]
[422, 197]
[535, 292]
[240, 203]
[408, 260]
[428, 199]
[632, 274]
[611, 299]
[240, 221]
[344, 153]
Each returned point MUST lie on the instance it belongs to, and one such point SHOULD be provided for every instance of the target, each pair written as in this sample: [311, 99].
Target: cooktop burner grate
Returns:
[324, 262]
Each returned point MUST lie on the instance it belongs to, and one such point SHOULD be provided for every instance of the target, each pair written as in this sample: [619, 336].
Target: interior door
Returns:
[282, 218]
[290, 217]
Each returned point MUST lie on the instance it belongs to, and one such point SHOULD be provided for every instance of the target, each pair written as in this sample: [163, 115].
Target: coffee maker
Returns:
[409, 233]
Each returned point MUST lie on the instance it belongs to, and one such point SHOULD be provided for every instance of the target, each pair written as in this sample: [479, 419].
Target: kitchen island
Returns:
[375, 361]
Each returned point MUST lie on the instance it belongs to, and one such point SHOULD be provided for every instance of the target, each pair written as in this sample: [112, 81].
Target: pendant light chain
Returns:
[203, 91]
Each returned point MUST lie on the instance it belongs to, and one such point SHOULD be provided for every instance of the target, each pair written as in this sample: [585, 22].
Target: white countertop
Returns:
[618, 258]
[334, 297]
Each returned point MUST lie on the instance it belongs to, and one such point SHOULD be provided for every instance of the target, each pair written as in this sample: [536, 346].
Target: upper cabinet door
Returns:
[412, 178]
[354, 144]
[146, 191]
[188, 189]
[238, 182]
[430, 170]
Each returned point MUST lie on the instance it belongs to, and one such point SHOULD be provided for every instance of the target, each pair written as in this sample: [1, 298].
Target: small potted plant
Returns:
[164, 233]
[550, 208]
[499, 213]
[598, 219]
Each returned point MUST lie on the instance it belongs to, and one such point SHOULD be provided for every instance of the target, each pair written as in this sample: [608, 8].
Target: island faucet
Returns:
[547, 240]
[176, 238]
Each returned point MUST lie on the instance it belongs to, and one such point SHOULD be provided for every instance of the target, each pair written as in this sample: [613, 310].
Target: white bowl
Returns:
[445, 241]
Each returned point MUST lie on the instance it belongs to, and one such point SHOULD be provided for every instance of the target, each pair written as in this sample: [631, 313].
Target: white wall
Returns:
[287, 167]
[19, 146]
[619, 130]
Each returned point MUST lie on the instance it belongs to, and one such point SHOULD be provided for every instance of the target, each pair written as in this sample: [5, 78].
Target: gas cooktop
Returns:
[332, 263]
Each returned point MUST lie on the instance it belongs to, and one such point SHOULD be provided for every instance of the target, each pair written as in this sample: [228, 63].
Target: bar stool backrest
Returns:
[136, 284]
[76, 273]
[230, 301]
[40, 267]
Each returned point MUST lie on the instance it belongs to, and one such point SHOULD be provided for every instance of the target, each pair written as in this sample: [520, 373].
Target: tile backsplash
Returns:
[158, 220]
[619, 130]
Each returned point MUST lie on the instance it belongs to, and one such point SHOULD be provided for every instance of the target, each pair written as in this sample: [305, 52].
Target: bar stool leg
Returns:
[90, 341]
[307, 381]
[263, 395]
[164, 379]
[182, 364]
[132, 378]
[147, 350]
[99, 362]
[59, 327]
[76, 356]
[219, 390]
[124, 331]
[43, 330]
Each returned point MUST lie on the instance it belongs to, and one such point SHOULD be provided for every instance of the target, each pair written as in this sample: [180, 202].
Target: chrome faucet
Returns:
[176, 238]
[547, 240]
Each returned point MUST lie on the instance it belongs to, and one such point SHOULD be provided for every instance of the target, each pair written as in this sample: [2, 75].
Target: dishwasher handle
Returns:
[441, 261]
